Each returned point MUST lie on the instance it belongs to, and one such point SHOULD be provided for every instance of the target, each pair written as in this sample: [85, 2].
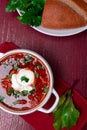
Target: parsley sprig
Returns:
[31, 10]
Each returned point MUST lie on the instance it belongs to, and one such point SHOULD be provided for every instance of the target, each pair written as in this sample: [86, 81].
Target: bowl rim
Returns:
[45, 100]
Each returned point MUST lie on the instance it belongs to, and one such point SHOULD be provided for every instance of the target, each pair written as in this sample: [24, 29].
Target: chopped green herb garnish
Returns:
[36, 74]
[9, 76]
[33, 86]
[25, 92]
[31, 92]
[10, 91]
[15, 102]
[24, 78]
[46, 89]
[1, 98]
[40, 67]
[24, 61]
[16, 67]
[16, 94]
[28, 58]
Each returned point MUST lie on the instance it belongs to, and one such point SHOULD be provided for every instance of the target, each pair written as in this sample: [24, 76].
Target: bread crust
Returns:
[79, 6]
[58, 15]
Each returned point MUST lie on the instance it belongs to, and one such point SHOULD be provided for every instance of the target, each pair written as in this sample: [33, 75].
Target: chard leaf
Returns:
[65, 114]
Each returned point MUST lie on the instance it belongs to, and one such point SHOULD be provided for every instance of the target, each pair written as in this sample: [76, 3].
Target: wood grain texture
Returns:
[12, 122]
[66, 55]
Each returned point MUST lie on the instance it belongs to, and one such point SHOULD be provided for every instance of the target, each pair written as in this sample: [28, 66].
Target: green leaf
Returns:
[46, 89]
[15, 102]
[31, 10]
[16, 94]
[13, 4]
[33, 86]
[36, 74]
[25, 92]
[24, 78]
[2, 98]
[65, 114]
[61, 101]
[30, 17]
[10, 91]
[28, 58]
[9, 76]
[16, 67]
[40, 67]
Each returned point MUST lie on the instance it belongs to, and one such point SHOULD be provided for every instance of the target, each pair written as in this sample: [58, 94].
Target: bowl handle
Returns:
[53, 106]
[1, 54]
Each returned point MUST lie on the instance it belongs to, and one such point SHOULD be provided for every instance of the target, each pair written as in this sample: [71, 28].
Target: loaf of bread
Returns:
[61, 14]
[79, 6]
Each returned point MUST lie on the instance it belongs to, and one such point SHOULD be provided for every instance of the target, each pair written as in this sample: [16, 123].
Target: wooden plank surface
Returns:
[12, 122]
[66, 55]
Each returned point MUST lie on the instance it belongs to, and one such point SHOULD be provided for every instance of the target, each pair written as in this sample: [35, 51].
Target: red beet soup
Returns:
[24, 81]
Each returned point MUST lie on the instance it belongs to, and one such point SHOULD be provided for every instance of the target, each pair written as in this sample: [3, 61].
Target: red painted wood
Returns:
[66, 55]
[48, 119]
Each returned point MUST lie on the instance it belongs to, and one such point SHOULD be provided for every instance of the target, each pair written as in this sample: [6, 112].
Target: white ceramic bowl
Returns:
[51, 89]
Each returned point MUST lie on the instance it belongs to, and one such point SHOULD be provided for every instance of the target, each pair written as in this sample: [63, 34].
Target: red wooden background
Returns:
[66, 55]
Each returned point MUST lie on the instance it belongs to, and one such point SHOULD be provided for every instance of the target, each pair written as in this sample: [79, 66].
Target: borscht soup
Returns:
[24, 81]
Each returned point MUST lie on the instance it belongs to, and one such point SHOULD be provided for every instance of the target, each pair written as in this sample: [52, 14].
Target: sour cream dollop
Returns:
[23, 80]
